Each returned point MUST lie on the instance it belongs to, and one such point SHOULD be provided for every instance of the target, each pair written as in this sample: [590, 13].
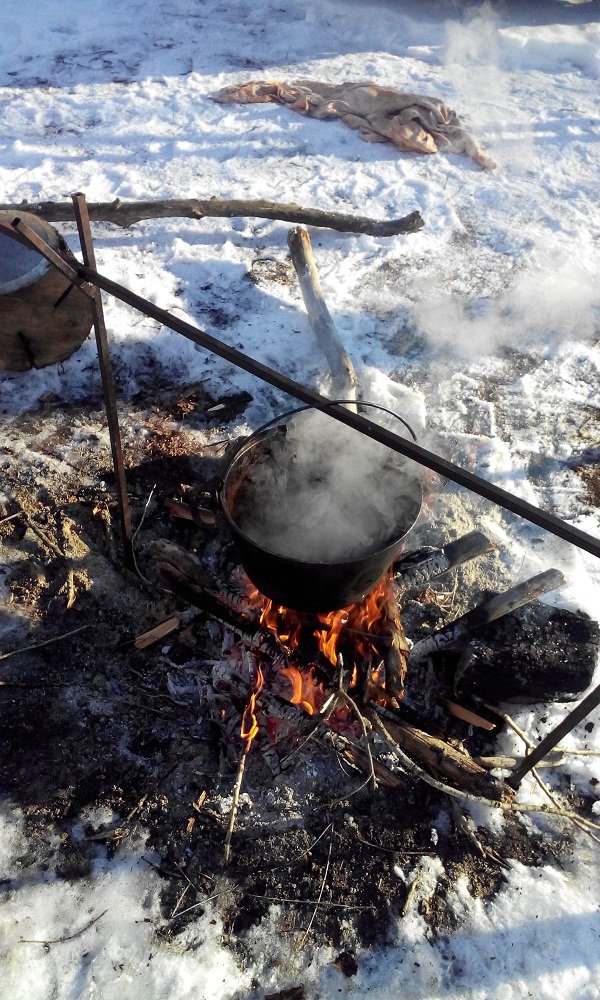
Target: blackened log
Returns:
[538, 653]
[416, 569]
[177, 583]
[187, 564]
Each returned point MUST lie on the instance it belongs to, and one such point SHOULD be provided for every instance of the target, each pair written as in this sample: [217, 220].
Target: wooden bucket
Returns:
[37, 327]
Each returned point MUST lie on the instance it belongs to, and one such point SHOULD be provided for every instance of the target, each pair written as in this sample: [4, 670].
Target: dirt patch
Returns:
[587, 464]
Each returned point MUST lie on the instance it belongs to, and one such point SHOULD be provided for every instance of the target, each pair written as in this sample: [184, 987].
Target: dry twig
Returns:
[572, 817]
[64, 937]
[323, 884]
[46, 642]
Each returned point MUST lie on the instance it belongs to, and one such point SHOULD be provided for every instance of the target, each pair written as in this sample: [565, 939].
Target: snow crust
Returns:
[483, 328]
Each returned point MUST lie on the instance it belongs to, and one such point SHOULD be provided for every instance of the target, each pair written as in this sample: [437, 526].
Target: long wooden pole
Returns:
[127, 213]
[345, 382]
[108, 383]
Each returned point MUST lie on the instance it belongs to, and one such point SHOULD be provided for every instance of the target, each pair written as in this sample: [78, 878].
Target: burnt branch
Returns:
[490, 611]
[439, 758]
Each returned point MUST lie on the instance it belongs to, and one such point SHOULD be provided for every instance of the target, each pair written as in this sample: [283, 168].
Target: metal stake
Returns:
[554, 737]
[108, 384]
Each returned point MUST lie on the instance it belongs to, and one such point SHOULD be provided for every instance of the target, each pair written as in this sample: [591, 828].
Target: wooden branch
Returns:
[127, 213]
[416, 569]
[440, 758]
[342, 370]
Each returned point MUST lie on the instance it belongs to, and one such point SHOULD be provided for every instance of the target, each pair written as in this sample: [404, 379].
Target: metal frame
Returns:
[441, 466]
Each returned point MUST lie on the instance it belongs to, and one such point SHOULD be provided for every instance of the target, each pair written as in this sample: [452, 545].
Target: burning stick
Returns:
[248, 731]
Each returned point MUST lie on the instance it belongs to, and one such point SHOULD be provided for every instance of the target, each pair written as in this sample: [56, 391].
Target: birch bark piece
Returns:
[345, 381]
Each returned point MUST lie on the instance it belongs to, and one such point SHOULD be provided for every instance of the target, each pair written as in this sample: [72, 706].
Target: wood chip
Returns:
[460, 712]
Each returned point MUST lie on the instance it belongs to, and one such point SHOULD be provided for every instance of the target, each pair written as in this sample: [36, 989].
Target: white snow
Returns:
[483, 328]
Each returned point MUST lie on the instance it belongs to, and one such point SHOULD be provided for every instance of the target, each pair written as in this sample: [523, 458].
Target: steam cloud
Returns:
[548, 303]
[323, 492]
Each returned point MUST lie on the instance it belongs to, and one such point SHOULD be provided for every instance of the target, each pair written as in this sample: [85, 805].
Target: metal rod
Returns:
[549, 522]
[555, 736]
[108, 383]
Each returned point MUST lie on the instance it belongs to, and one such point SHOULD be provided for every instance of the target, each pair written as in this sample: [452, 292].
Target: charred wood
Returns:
[457, 631]
[441, 759]
[173, 580]
[396, 655]
[507, 662]
[416, 569]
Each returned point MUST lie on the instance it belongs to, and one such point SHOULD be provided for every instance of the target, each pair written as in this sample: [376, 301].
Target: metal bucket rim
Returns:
[41, 265]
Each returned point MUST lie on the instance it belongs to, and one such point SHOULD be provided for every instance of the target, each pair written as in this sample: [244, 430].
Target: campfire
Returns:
[287, 676]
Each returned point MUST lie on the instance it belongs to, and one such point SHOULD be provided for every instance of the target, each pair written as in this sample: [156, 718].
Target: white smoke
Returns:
[553, 299]
[474, 60]
[323, 492]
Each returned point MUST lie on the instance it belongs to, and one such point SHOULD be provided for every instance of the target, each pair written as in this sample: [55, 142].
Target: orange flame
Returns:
[306, 690]
[249, 727]
[358, 625]
[282, 622]
[369, 616]
[328, 641]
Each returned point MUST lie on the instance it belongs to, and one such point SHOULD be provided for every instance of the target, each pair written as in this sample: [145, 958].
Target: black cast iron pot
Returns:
[293, 583]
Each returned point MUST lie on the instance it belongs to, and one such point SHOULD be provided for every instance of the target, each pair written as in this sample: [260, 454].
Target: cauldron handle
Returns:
[333, 402]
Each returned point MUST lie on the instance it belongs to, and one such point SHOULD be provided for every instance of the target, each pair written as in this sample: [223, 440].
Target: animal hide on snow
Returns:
[381, 114]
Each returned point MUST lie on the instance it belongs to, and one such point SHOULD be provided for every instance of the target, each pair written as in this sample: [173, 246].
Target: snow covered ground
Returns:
[482, 328]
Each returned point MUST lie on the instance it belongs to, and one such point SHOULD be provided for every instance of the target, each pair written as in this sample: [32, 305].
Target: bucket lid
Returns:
[20, 266]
